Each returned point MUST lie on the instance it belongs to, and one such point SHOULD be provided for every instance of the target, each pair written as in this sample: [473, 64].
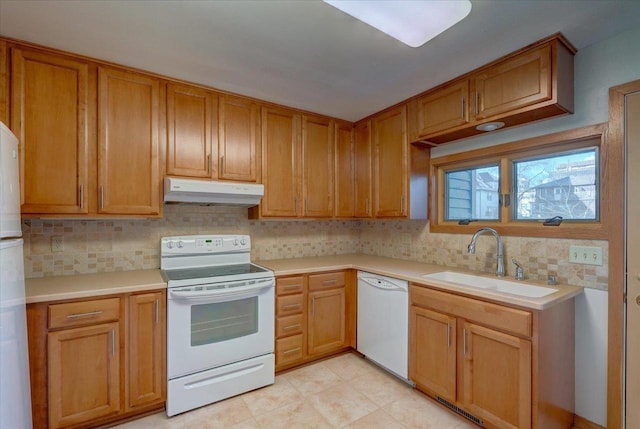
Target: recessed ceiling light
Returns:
[413, 22]
[490, 126]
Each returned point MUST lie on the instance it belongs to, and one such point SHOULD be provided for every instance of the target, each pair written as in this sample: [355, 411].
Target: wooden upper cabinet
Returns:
[390, 163]
[50, 117]
[533, 83]
[128, 143]
[191, 131]
[239, 139]
[442, 109]
[513, 84]
[362, 169]
[344, 171]
[280, 162]
[317, 166]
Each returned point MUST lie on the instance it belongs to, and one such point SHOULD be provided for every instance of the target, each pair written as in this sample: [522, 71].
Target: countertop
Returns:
[90, 285]
[414, 272]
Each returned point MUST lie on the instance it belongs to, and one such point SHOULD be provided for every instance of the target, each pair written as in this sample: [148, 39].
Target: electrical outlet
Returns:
[57, 243]
[585, 255]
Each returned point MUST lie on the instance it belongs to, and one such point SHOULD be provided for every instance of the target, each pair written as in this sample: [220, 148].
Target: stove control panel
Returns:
[194, 244]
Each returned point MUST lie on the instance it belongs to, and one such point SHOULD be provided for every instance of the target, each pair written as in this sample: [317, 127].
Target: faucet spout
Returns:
[472, 247]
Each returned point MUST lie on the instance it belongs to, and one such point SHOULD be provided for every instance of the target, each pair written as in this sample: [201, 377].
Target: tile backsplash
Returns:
[93, 246]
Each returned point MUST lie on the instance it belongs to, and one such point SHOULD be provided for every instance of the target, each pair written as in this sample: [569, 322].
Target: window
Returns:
[516, 187]
[470, 193]
[562, 184]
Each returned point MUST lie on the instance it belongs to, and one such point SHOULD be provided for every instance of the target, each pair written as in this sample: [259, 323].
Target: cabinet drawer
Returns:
[326, 280]
[506, 319]
[289, 350]
[289, 285]
[289, 325]
[288, 305]
[83, 312]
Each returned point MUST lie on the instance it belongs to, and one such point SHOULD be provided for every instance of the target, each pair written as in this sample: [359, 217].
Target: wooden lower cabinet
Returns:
[433, 351]
[315, 316]
[96, 361]
[84, 374]
[326, 320]
[508, 367]
[496, 365]
[145, 354]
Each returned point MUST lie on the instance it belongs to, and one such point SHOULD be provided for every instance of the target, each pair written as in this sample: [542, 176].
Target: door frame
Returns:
[616, 303]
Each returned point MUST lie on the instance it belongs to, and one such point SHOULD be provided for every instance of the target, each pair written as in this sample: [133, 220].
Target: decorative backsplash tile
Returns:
[93, 246]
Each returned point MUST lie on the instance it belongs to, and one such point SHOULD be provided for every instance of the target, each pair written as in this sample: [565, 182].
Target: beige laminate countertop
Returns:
[90, 285]
[414, 272]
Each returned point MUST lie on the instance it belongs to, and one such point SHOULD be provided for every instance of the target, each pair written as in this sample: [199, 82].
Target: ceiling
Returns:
[302, 53]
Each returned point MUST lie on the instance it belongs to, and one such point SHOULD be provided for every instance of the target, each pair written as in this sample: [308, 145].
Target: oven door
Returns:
[217, 324]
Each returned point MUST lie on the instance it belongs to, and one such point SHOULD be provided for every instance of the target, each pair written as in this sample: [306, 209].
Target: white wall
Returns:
[597, 68]
[591, 356]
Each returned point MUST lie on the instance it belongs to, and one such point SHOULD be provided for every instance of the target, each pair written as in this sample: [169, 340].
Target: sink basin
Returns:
[492, 284]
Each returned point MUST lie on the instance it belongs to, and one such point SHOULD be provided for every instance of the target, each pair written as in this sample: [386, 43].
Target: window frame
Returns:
[504, 155]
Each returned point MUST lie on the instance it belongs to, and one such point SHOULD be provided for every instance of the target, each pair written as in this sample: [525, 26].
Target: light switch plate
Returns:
[585, 255]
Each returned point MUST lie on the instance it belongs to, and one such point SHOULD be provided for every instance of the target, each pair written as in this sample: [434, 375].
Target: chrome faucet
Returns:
[472, 247]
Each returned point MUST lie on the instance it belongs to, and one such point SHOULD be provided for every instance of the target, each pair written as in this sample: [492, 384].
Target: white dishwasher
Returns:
[383, 313]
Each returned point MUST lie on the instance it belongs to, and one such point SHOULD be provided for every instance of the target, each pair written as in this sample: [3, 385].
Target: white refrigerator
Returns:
[15, 392]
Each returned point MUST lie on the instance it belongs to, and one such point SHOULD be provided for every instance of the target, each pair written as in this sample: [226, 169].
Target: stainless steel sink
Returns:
[491, 284]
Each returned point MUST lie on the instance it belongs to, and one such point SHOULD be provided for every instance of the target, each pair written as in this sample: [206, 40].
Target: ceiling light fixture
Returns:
[490, 126]
[413, 22]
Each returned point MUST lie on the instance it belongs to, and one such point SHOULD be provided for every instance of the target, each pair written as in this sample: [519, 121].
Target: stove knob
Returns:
[235, 241]
[243, 241]
[180, 244]
[170, 244]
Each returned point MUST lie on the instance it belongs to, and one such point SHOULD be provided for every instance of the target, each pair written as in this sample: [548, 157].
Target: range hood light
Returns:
[413, 22]
[490, 126]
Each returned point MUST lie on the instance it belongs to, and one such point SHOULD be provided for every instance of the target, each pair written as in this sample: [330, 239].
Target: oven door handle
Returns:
[222, 294]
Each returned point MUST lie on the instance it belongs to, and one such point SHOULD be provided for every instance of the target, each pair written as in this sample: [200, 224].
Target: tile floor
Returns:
[342, 392]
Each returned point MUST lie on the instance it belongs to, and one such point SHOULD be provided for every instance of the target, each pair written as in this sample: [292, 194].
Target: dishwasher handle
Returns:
[383, 284]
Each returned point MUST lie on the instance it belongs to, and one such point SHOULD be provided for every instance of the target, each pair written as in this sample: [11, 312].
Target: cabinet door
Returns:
[496, 377]
[326, 321]
[362, 164]
[128, 142]
[146, 349]
[443, 109]
[390, 165]
[84, 374]
[317, 168]
[344, 183]
[50, 117]
[514, 83]
[191, 128]
[238, 147]
[280, 162]
[432, 351]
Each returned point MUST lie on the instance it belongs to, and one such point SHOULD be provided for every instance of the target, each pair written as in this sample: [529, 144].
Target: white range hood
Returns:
[212, 192]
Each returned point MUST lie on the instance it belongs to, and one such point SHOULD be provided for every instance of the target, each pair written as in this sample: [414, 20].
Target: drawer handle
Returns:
[290, 327]
[291, 306]
[329, 282]
[288, 352]
[79, 315]
[291, 287]
[464, 341]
